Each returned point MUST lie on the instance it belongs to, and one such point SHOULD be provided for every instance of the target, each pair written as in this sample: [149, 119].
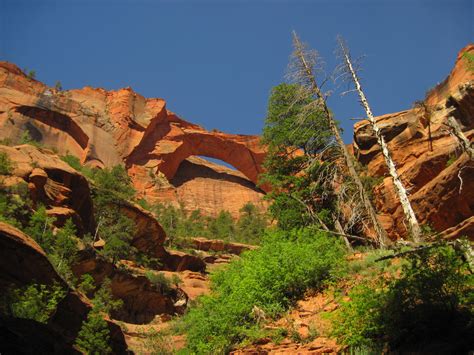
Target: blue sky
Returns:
[216, 61]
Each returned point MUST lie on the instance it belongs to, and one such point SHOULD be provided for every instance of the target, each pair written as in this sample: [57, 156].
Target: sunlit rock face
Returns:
[159, 149]
[439, 177]
[105, 128]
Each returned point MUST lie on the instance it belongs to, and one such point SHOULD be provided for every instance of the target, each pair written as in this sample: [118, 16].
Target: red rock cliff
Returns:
[105, 128]
[440, 179]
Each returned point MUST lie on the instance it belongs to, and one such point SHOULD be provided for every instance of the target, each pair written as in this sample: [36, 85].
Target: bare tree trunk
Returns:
[457, 132]
[309, 75]
[414, 227]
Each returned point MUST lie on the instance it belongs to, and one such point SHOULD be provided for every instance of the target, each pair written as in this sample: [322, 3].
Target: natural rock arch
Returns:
[178, 140]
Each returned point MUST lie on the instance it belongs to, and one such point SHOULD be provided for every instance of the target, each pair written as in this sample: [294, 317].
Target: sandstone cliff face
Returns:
[53, 183]
[440, 180]
[105, 128]
[200, 184]
[66, 194]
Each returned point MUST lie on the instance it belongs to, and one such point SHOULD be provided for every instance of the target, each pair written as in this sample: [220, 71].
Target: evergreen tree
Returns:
[40, 228]
[296, 134]
[94, 335]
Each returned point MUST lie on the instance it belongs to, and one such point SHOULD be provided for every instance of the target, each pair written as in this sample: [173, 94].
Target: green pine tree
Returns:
[94, 335]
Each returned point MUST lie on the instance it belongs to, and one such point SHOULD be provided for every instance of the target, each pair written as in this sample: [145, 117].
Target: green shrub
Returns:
[430, 301]
[160, 281]
[469, 57]
[272, 278]
[115, 180]
[26, 138]
[94, 335]
[104, 301]
[64, 251]
[15, 205]
[6, 165]
[40, 228]
[36, 301]
[73, 161]
[87, 284]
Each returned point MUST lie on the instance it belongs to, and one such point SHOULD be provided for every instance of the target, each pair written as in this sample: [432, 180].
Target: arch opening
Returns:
[204, 167]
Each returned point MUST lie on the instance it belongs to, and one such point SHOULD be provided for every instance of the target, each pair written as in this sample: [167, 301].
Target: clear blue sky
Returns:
[216, 61]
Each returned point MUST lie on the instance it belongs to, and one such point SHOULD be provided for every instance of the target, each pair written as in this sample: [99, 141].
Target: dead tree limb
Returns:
[458, 133]
[410, 216]
[306, 74]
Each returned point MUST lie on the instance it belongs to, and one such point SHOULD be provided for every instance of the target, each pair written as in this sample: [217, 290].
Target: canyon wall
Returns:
[161, 151]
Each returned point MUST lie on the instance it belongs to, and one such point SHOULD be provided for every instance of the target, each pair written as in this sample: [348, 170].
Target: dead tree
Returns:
[414, 226]
[457, 132]
[425, 112]
[304, 62]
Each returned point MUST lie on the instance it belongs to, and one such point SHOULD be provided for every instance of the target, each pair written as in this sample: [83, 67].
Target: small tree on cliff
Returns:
[94, 335]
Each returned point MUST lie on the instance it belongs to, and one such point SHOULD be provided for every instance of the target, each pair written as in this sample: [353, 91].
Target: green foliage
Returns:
[31, 74]
[94, 335]
[58, 86]
[73, 161]
[15, 205]
[452, 159]
[432, 299]
[65, 251]
[157, 343]
[104, 301]
[36, 301]
[369, 183]
[222, 227]
[251, 224]
[469, 57]
[160, 281]
[87, 284]
[271, 278]
[295, 133]
[117, 230]
[291, 124]
[112, 186]
[180, 225]
[115, 180]
[147, 261]
[176, 280]
[6, 165]
[40, 228]
[26, 138]
[113, 183]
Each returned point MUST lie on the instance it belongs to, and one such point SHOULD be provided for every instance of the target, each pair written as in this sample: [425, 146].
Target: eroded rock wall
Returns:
[430, 161]
[106, 128]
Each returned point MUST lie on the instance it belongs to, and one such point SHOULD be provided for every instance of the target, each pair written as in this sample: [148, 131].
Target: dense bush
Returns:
[15, 205]
[103, 299]
[430, 302]
[36, 301]
[270, 278]
[6, 164]
[160, 281]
